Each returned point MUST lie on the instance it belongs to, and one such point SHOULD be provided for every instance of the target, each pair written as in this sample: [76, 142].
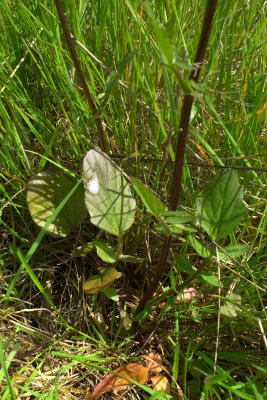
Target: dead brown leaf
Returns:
[153, 362]
[133, 371]
[160, 382]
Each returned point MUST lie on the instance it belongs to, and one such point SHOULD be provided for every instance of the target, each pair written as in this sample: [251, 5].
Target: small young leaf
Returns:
[221, 209]
[111, 293]
[229, 310]
[145, 312]
[200, 248]
[108, 196]
[97, 283]
[130, 259]
[167, 230]
[183, 264]
[152, 203]
[211, 279]
[45, 191]
[105, 251]
[82, 251]
[235, 251]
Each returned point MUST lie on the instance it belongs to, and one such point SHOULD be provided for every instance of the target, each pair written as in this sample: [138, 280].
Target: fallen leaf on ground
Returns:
[116, 383]
[153, 362]
[160, 382]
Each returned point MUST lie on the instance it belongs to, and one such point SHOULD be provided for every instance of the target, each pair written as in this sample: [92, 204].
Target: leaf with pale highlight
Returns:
[108, 196]
[97, 283]
[45, 191]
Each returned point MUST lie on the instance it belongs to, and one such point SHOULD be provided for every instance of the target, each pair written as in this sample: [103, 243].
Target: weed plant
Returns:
[56, 342]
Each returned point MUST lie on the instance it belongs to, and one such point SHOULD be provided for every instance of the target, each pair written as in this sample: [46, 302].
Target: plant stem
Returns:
[180, 148]
[92, 106]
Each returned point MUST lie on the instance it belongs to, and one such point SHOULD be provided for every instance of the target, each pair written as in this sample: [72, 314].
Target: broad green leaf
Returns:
[111, 293]
[183, 264]
[210, 278]
[97, 283]
[105, 251]
[221, 209]
[145, 312]
[152, 203]
[230, 310]
[82, 251]
[45, 191]
[235, 251]
[200, 248]
[108, 196]
[130, 259]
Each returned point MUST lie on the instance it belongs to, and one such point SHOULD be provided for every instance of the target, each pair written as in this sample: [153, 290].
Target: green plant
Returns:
[109, 201]
[136, 59]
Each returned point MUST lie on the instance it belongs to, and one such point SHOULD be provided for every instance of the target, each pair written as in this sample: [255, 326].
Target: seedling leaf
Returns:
[152, 203]
[45, 191]
[130, 259]
[97, 283]
[82, 251]
[235, 251]
[210, 278]
[183, 264]
[105, 251]
[200, 248]
[108, 196]
[221, 209]
[111, 293]
[229, 310]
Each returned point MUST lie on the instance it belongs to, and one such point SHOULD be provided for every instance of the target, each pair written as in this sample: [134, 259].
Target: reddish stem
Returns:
[180, 148]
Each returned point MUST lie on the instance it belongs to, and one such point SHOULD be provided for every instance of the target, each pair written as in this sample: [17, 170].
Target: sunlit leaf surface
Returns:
[97, 283]
[108, 196]
[45, 191]
[221, 209]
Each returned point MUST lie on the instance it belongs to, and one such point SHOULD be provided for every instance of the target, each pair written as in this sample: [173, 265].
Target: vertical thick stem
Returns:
[93, 108]
[180, 148]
